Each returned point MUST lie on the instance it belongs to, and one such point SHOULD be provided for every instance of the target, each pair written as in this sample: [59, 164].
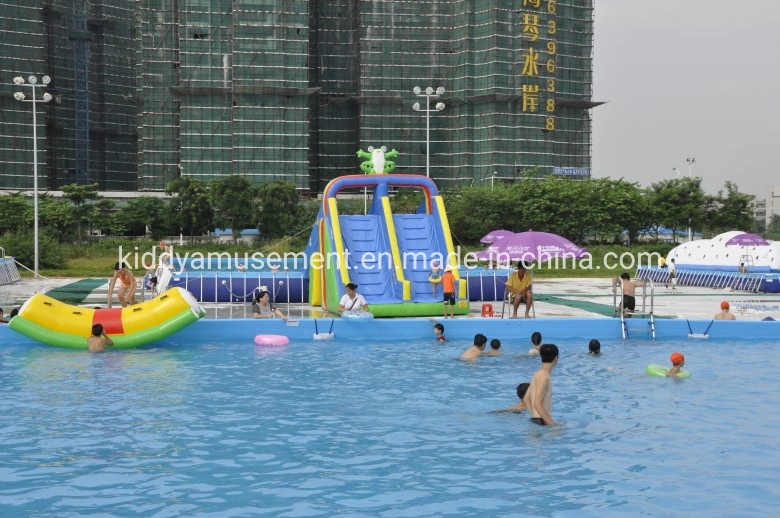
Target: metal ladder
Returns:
[618, 308]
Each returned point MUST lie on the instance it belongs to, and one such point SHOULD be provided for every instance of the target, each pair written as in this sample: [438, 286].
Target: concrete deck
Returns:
[558, 298]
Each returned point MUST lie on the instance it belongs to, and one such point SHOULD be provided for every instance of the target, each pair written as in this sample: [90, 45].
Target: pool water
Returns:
[397, 429]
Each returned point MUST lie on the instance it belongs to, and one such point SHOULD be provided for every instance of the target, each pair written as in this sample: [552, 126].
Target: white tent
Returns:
[715, 254]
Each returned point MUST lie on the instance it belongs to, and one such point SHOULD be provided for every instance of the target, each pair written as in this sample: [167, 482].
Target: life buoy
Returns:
[271, 340]
[659, 370]
[434, 280]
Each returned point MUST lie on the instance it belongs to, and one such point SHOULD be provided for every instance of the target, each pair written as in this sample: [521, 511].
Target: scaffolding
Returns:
[290, 89]
[87, 133]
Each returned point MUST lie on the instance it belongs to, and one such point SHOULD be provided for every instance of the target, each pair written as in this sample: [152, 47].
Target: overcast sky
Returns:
[689, 78]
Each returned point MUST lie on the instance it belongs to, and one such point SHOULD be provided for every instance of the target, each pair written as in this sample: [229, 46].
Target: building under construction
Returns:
[87, 133]
[291, 89]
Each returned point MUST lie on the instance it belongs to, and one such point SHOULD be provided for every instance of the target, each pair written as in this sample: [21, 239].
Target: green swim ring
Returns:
[659, 370]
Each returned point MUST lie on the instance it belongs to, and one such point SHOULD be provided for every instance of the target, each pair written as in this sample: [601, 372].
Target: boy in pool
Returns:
[594, 347]
[678, 360]
[99, 340]
[536, 341]
[538, 399]
[438, 330]
[475, 351]
[495, 345]
[520, 406]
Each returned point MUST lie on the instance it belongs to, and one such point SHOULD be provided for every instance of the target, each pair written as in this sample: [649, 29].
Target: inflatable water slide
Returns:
[389, 256]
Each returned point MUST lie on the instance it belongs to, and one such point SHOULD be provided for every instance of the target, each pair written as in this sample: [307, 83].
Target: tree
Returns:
[731, 212]
[190, 207]
[278, 209]
[80, 196]
[679, 203]
[774, 224]
[140, 214]
[16, 213]
[56, 217]
[235, 205]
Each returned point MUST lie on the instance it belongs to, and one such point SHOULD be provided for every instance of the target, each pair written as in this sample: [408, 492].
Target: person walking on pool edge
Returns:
[448, 285]
[538, 399]
[519, 285]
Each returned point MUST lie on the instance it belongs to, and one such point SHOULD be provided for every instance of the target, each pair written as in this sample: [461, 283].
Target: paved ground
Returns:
[560, 298]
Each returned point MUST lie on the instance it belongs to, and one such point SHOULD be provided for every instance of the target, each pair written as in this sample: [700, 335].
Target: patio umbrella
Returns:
[747, 239]
[531, 246]
[496, 235]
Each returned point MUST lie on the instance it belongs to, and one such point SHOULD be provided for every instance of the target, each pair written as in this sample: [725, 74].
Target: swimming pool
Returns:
[391, 429]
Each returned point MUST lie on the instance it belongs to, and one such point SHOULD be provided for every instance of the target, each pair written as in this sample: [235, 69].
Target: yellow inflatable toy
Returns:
[56, 323]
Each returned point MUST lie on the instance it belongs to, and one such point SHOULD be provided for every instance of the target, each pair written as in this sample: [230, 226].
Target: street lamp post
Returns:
[428, 94]
[675, 170]
[32, 82]
[690, 161]
[493, 179]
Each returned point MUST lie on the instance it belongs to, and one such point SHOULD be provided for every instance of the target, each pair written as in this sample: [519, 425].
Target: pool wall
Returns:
[401, 329]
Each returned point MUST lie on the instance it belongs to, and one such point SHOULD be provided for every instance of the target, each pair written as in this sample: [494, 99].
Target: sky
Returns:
[688, 79]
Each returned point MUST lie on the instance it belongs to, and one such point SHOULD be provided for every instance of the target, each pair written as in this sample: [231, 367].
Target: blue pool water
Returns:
[397, 429]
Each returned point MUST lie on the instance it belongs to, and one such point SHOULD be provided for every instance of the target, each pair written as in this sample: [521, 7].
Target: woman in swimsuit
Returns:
[126, 291]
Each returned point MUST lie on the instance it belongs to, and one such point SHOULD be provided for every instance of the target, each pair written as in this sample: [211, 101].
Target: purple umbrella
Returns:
[496, 235]
[747, 239]
[531, 246]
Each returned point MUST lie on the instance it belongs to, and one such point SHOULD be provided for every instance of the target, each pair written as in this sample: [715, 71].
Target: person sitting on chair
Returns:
[519, 285]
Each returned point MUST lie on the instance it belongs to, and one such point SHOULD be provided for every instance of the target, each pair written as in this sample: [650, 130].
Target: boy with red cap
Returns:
[678, 360]
[724, 312]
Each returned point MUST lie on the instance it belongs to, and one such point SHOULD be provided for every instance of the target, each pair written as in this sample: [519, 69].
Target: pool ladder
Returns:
[645, 311]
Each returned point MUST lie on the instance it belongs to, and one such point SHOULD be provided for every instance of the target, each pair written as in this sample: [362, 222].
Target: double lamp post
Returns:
[32, 82]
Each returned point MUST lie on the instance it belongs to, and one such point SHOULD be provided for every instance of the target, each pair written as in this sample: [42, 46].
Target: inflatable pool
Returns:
[56, 323]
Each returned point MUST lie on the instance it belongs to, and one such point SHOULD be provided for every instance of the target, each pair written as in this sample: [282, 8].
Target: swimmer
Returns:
[678, 360]
[724, 312]
[99, 340]
[538, 399]
[475, 351]
[495, 345]
[594, 347]
[520, 406]
[536, 341]
[438, 330]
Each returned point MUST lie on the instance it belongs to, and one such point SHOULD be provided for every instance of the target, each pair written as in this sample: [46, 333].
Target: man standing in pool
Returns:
[538, 399]
[475, 351]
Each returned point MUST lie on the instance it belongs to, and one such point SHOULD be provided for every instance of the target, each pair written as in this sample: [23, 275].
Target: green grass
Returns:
[97, 260]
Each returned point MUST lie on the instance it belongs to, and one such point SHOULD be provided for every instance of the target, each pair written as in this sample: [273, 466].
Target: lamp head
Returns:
[440, 90]
[416, 107]
[46, 80]
[429, 90]
[416, 90]
[18, 80]
[439, 106]
[46, 97]
[19, 96]
[32, 80]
